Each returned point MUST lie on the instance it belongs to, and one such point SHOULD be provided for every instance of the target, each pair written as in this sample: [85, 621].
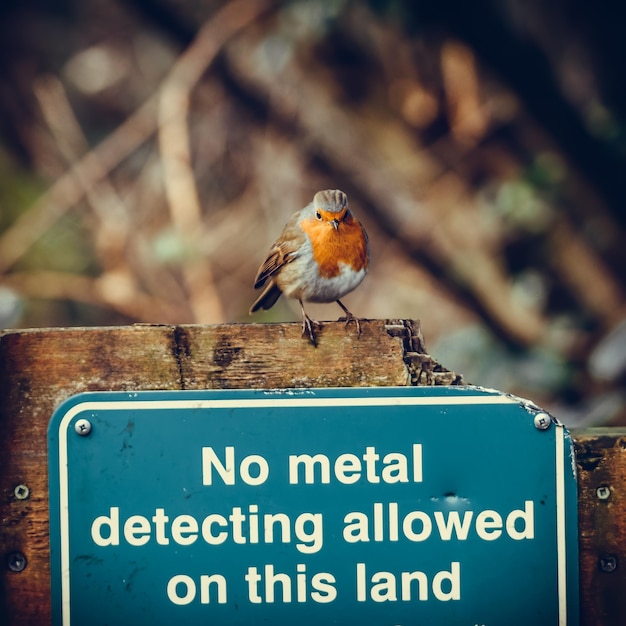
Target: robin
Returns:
[321, 255]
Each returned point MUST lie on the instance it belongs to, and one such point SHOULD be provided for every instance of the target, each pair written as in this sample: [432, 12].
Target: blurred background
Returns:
[152, 150]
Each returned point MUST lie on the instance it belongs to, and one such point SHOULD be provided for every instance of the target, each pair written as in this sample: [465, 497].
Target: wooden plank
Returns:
[41, 368]
[38, 370]
[601, 460]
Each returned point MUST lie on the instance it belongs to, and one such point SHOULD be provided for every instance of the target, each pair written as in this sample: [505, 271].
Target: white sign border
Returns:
[294, 402]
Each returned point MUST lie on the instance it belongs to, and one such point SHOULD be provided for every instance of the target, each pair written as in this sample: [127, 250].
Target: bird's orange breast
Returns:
[346, 244]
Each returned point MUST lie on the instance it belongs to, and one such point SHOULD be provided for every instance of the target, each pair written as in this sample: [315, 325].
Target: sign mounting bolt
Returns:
[16, 561]
[82, 427]
[603, 492]
[608, 563]
[542, 421]
[21, 492]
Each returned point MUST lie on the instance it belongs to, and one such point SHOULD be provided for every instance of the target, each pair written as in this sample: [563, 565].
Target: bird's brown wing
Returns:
[278, 256]
[284, 250]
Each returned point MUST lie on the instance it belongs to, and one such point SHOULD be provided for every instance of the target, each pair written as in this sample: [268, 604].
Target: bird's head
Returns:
[331, 206]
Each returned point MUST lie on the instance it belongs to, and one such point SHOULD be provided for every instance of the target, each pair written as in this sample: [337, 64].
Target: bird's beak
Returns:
[335, 223]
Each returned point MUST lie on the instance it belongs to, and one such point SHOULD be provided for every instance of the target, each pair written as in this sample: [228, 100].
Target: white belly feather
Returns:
[300, 279]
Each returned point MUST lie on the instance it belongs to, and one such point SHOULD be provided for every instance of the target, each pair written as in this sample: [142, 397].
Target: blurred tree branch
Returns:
[175, 144]
[167, 112]
[107, 206]
[84, 173]
[522, 64]
[115, 290]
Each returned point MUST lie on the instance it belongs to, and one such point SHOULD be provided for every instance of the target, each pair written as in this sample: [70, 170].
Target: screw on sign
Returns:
[603, 492]
[82, 427]
[21, 492]
[542, 421]
[608, 563]
[16, 561]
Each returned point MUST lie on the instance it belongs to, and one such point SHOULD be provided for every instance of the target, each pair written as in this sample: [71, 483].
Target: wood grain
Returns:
[601, 460]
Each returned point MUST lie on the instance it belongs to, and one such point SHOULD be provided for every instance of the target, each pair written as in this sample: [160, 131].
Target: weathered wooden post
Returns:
[41, 369]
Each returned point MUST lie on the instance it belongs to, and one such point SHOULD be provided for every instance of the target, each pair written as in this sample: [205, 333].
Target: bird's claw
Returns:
[351, 318]
[307, 329]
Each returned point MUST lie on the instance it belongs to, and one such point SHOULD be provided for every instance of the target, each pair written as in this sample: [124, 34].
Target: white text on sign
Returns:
[308, 531]
[348, 468]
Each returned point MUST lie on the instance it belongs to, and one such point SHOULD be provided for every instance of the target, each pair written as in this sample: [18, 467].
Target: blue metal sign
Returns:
[335, 506]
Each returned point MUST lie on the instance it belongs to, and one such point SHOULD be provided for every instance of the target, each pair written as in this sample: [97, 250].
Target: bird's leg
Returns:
[349, 317]
[307, 326]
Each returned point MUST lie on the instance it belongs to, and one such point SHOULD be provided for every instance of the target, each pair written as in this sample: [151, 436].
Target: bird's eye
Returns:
[318, 215]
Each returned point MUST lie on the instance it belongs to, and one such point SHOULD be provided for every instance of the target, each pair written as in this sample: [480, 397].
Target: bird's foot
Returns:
[349, 317]
[308, 329]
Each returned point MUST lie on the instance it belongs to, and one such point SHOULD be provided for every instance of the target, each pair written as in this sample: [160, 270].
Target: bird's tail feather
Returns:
[267, 299]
